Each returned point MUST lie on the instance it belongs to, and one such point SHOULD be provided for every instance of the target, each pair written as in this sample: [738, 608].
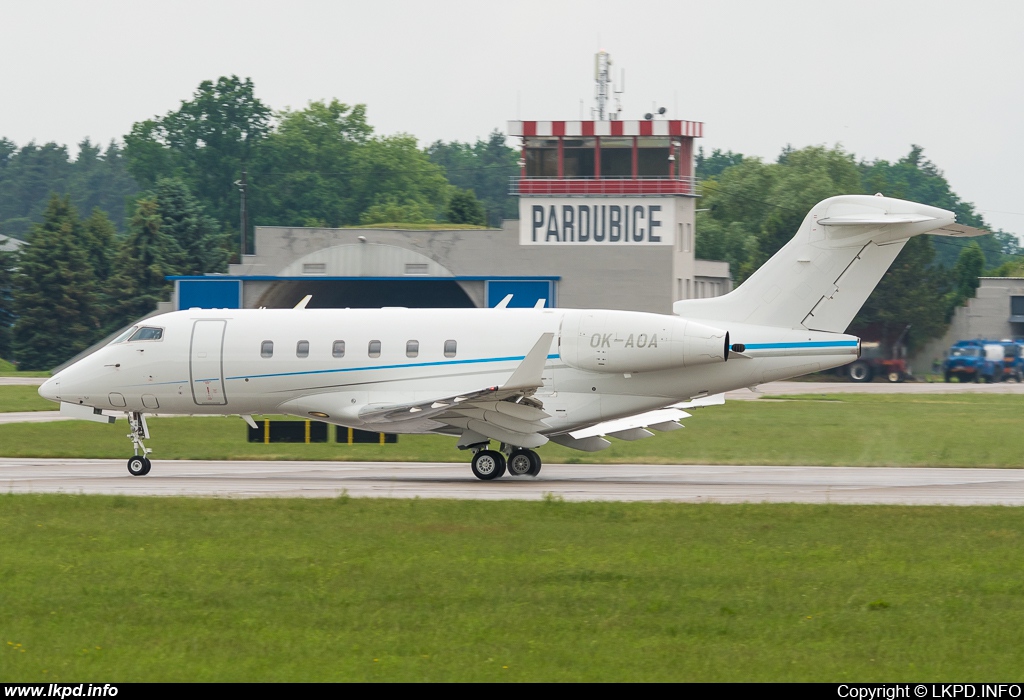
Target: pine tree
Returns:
[147, 257]
[100, 240]
[7, 262]
[183, 218]
[55, 291]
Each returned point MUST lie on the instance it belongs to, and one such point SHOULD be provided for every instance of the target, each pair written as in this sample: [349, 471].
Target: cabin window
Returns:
[302, 348]
[147, 333]
[267, 348]
[339, 348]
[450, 346]
[374, 348]
[412, 348]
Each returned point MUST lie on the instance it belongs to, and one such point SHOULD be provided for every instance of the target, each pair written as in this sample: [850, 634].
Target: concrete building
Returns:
[996, 312]
[606, 221]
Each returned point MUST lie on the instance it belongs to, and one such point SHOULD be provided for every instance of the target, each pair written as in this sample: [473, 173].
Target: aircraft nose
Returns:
[50, 389]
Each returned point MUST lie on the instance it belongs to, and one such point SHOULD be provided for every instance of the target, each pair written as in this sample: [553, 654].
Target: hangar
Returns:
[606, 221]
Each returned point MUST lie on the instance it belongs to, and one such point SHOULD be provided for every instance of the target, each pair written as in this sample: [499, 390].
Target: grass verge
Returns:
[23, 398]
[842, 429]
[170, 589]
[7, 369]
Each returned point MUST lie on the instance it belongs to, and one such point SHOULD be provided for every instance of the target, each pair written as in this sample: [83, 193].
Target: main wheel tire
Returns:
[519, 463]
[860, 371]
[488, 464]
[139, 466]
[535, 458]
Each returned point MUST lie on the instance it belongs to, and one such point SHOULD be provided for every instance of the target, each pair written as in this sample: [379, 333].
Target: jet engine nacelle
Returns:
[633, 341]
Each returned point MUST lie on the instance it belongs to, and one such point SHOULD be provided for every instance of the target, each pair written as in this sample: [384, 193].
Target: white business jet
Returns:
[519, 377]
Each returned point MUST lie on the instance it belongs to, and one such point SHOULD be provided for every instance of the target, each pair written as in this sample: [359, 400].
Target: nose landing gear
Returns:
[139, 465]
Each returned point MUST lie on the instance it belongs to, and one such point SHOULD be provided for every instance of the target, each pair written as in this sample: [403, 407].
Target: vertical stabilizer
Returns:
[821, 278]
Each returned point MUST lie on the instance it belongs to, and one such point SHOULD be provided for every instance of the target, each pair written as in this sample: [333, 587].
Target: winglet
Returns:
[529, 373]
[504, 302]
[305, 300]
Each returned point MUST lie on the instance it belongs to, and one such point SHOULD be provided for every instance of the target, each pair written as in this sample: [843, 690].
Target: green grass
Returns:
[851, 430]
[171, 589]
[23, 398]
[9, 370]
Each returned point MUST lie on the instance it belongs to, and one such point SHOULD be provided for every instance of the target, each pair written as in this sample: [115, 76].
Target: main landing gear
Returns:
[491, 464]
[139, 465]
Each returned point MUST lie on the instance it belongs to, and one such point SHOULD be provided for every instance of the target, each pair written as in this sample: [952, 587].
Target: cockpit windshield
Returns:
[124, 336]
[147, 333]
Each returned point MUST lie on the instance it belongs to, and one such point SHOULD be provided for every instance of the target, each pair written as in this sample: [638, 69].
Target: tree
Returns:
[305, 168]
[203, 245]
[465, 208]
[55, 292]
[29, 175]
[99, 239]
[394, 169]
[969, 267]
[147, 257]
[207, 143]
[484, 167]
[323, 166]
[7, 266]
[713, 165]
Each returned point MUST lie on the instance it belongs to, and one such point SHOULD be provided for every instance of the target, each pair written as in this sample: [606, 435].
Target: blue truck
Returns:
[985, 361]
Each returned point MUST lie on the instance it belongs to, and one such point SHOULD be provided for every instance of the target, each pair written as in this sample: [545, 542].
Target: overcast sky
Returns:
[874, 77]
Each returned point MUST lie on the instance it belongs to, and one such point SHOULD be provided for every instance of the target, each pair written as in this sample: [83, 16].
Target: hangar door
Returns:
[206, 363]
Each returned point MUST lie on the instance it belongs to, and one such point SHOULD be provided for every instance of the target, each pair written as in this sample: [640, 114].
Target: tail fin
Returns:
[821, 278]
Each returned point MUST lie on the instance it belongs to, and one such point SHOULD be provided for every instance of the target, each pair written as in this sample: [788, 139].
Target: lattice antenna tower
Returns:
[604, 88]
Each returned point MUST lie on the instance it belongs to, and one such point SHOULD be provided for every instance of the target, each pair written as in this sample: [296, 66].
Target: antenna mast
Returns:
[604, 88]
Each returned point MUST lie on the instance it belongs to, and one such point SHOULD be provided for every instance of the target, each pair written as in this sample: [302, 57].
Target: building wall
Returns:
[630, 277]
[985, 316]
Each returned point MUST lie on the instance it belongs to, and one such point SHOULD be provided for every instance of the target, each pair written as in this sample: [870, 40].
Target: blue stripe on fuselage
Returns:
[438, 363]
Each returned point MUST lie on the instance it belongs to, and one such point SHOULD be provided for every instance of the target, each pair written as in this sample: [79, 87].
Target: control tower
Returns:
[613, 182]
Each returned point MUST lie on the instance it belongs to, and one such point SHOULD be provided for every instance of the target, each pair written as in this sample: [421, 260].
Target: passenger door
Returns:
[206, 363]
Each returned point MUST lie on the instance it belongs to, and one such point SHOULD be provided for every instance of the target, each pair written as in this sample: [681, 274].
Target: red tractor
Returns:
[880, 358]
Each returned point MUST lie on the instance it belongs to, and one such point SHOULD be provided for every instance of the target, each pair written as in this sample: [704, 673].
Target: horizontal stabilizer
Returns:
[874, 220]
[959, 231]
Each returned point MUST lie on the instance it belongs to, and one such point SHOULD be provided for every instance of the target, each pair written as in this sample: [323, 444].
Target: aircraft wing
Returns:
[489, 413]
[635, 427]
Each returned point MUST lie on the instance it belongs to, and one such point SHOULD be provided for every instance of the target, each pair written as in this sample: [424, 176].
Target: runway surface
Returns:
[621, 482]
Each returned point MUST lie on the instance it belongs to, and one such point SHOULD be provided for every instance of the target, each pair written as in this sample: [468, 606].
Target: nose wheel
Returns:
[139, 465]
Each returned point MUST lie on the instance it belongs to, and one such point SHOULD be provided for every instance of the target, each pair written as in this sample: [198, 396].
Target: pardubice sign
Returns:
[596, 221]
